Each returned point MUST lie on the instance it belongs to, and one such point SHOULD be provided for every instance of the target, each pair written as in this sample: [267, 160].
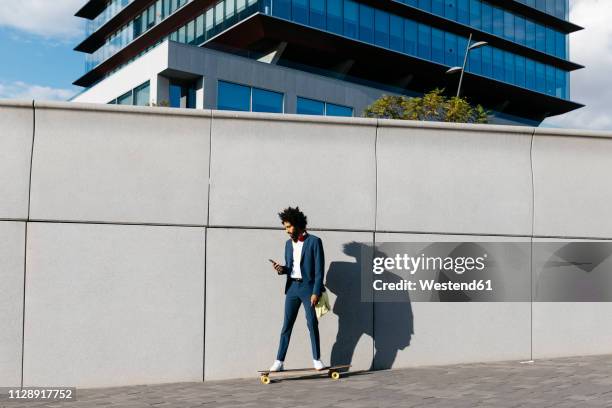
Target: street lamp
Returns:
[469, 48]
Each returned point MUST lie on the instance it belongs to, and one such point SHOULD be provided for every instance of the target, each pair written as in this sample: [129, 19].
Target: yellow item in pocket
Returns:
[322, 305]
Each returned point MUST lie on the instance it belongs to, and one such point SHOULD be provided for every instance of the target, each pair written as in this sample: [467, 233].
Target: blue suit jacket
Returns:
[312, 264]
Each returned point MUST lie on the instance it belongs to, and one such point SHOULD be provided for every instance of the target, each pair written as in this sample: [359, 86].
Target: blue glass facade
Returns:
[527, 51]
[361, 22]
[377, 27]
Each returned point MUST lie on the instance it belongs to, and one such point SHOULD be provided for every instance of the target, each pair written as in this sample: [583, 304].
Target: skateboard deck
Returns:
[332, 372]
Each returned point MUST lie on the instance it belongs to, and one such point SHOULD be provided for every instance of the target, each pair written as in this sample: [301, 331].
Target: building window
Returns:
[199, 29]
[498, 21]
[450, 42]
[396, 33]
[476, 13]
[182, 95]
[307, 106]
[125, 99]
[350, 18]
[282, 8]
[267, 101]
[437, 45]
[219, 13]
[509, 70]
[463, 11]
[334, 16]
[381, 24]
[338, 110]
[300, 11]
[487, 62]
[487, 18]
[141, 94]
[530, 74]
[437, 7]
[236, 97]
[519, 63]
[450, 11]
[410, 37]
[233, 97]
[138, 96]
[366, 23]
[424, 4]
[475, 61]
[424, 50]
[190, 36]
[317, 13]
[498, 64]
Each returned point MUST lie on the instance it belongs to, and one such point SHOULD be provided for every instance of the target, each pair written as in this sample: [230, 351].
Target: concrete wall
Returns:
[134, 242]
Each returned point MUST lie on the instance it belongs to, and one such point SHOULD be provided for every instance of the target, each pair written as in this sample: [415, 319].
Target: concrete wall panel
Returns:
[16, 130]
[571, 182]
[572, 305]
[138, 166]
[245, 303]
[111, 305]
[454, 332]
[259, 166]
[12, 258]
[454, 179]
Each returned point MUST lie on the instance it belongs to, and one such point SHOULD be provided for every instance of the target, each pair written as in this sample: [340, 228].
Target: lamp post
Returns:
[469, 48]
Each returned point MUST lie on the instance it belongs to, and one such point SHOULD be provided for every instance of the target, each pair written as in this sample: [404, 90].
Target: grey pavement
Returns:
[564, 382]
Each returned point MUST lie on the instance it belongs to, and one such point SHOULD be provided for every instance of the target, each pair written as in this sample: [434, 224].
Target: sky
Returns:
[37, 38]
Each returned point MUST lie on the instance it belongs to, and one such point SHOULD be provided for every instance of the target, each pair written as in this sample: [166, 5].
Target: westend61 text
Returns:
[433, 285]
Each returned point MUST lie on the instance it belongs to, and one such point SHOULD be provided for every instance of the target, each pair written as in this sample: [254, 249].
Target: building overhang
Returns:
[91, 9]
[309, 47]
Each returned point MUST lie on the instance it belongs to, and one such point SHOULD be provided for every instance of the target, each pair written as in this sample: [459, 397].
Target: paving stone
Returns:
[566, 382]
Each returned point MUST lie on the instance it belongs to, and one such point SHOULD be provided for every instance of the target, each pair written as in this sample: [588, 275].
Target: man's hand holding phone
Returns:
[278, 267]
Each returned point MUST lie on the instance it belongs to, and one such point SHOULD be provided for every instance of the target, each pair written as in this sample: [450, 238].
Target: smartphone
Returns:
[271, 260]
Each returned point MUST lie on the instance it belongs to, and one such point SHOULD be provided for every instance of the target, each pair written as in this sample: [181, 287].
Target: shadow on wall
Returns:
[392, 325]
[574, 272]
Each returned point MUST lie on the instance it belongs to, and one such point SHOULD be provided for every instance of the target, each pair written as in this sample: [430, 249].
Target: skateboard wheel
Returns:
[264, 379]
[334, 375]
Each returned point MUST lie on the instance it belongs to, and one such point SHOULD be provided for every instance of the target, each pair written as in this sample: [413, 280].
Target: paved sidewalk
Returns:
[568, 382]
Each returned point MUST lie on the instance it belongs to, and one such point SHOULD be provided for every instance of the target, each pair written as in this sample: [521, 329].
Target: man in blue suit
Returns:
[304, 268]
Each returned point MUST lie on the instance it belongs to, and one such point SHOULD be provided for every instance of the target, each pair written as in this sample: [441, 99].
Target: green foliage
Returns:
[433, 106]
[162, 104]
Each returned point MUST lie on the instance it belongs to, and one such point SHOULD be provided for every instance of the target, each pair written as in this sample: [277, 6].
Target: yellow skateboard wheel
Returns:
[334, 375]
[264, 379]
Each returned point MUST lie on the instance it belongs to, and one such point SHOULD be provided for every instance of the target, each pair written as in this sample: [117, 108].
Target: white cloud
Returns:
[22, 90]
[47, 18]
[592, 85]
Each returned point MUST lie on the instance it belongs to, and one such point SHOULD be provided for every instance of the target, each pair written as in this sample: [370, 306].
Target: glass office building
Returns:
[403, 46]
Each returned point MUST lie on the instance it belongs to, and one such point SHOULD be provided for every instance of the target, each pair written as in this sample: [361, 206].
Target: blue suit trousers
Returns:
[299, 293]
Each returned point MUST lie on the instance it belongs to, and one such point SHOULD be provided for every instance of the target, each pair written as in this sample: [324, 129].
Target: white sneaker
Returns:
[318, 365]
[277, 366]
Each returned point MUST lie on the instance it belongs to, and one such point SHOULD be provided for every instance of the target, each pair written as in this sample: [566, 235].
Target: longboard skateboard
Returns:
[332, 372]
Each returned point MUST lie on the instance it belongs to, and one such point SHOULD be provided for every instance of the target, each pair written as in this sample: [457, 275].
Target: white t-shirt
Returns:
[296, 272]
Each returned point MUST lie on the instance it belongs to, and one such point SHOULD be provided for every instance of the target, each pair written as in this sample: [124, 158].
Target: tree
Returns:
[433, 106]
